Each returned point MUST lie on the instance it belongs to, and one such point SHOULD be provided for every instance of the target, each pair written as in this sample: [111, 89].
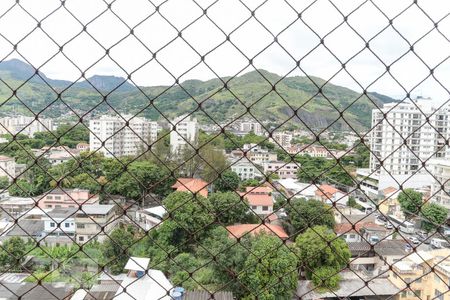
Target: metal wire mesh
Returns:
[249, 185]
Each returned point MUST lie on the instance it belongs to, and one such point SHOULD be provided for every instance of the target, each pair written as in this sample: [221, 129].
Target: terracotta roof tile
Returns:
[237, 231]
[193, 185]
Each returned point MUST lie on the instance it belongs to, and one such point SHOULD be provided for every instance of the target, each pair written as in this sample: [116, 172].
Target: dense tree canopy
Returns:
[12, 254]
[303, 214]
[117, 248]
[228, 181]
[322, 255]
[319, 169]
[410, 202]
[270, 271]
[229, 208]
[434, 215]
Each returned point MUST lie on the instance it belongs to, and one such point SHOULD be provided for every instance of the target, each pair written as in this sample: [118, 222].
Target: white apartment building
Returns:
[25, 125]
[402, 164]
[120, 138]
[440, 168]
[282, 139]
[245, 169]
[251, 126]
[7, 167]
[185, 131]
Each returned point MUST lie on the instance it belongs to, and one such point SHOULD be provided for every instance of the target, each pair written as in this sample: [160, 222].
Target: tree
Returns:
[188, 221]
[4, 182]
[117, 248]
[319, 169]
[139, 178]
[229, 208]
[12, 254]
[85, 181]
[21, 188]
[303, 214]
[352, 203]
[433, 215]
[410, 202]
[322, 255]
[270, 271]
[228, 181]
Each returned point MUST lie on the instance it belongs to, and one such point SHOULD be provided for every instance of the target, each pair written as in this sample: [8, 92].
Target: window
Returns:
[67, 225]
[418, 293]
[81, 226]
[52, 224]
[404, 294]
[265, 208]
[81, 238]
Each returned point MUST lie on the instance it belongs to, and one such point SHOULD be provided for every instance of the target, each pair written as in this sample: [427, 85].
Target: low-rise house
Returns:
[361, 231]
[60, 154]
[16, 206]
[25, 229]
[389, 205]
[34, 291]
[148, 218]
[329, 194]
[281, 169]
[258, 190]
[94, 222]
[239, 230]
[66, 198]
[191, 185]
[354, 285]
[59, 226]
[311, 150]
[260, 204]
[294, 188]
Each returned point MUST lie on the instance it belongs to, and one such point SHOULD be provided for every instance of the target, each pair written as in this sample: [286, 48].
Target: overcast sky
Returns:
[179, 58]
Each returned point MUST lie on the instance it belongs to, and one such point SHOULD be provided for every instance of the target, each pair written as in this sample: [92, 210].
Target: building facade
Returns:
[185, 132]
[25, 125]
[440, 168]
[281, 169]
[116, 136]
[66, 198]
[94, 222]
[403, 136]
[245, 169]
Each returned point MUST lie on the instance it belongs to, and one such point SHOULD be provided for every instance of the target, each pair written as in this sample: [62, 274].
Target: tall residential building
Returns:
[25, 125]
[185, 131]
[251, 126]
[120, 138]
[282, 139]
[403, 136]
[440, 189]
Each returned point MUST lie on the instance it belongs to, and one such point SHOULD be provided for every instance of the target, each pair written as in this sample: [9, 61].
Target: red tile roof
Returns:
[326, 191]
[236, 231]
[258, 200]
[347, 227]
[192, 185]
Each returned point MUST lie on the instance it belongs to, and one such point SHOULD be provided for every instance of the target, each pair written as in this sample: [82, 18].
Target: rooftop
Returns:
[258, 200]
[327, 191]
[62, 213]
[137, 264]
[204, 295]
[239, 230]
[95, 209]
[26, 228]
[383, 248]
[351, 285]
[193, 185]
[152, 286]
[34, 291]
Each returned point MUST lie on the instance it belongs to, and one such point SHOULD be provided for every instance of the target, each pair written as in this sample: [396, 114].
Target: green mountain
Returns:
[293, 100]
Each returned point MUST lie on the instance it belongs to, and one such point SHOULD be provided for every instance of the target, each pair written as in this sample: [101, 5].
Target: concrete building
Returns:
[282, 139]
[424, 282]
[16, 206]
[94, 222]
[281, 169]
[403, 136]
[311, 150]
[148, 218]
[261, 203]
[122, 136]
[25, 125]
[245, 169]
[184, 133]
[294, 188]
[440, 168]
[59, 226]
[66, 198]
[250, 126]
[330, 195]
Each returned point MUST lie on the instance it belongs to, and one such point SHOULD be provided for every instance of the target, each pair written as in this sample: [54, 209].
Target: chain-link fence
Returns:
[224, 149]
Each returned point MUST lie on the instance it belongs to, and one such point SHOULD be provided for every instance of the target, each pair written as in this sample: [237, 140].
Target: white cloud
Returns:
[157, 31]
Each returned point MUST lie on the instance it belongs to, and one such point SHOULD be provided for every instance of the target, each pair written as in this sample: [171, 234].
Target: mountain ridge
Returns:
[296, 98]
